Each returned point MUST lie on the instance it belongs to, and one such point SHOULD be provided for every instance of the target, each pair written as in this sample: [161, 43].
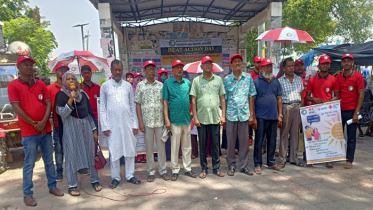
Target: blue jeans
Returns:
[351, 134]
[30, 145]
[58, 152]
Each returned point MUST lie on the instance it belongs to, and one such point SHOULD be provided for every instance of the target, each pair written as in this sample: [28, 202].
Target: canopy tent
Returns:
[309, 57]
[135, 13]
[363, 53]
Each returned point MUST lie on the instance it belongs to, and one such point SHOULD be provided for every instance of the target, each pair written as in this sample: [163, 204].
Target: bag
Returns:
[100, 160]
[165, 134]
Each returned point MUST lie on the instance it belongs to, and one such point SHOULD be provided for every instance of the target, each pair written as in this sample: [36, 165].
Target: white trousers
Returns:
[129, 168]
[180, 136]
[152, 134]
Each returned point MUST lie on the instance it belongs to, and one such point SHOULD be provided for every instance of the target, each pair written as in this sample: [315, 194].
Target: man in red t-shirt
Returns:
[322, 86]
[53, 89]
[31, 101]
[92, 90]
[351, 89]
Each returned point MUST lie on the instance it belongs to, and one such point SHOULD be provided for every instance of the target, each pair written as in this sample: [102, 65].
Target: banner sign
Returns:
[189, 50]
[323, 132]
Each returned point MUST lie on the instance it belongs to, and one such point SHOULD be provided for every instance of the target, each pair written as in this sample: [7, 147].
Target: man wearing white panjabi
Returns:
[119, 123]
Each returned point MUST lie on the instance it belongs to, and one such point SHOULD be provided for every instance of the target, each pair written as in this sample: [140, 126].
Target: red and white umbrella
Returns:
[76, 59]
[195, 68]
[286, 35]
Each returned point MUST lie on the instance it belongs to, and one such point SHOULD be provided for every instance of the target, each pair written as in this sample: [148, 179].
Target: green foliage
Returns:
[81, 80]
[251, 46]
[10, 9]
[41, 41]
[323, 19]
[102, 81]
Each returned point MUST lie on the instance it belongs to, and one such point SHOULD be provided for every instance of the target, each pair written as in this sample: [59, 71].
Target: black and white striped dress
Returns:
[77, 154]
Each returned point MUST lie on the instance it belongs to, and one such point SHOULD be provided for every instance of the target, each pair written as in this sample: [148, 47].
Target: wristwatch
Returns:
[280, 115]
[357, 113]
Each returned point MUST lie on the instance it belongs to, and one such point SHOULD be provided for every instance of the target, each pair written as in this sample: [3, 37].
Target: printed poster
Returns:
[190, 50]
[323, 132]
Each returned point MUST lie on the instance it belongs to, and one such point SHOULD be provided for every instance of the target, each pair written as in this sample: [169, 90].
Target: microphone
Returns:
[73, 88]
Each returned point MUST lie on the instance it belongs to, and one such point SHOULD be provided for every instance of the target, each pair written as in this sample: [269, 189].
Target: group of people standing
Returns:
[240, 102]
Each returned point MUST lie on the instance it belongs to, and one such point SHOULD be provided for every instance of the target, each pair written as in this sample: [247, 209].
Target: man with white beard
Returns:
[267, 115]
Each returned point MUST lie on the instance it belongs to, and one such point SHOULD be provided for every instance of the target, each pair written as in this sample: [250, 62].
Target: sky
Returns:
[63, 15]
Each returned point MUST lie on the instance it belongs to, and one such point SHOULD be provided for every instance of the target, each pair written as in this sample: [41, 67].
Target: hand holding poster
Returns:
[323, 132]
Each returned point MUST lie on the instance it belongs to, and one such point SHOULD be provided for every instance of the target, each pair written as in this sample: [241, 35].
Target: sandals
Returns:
[174, 176]
[348, 165]
[165, 177]
[297, 164]
[231, 171]
[247, 171]
[218, 173]
[95, 185]
[258, 170]
[74, 190]
[282, 164]
[114, 184]
[134, 181]
[150, 178]
[191, 174]
[276, 168]
[203, 174]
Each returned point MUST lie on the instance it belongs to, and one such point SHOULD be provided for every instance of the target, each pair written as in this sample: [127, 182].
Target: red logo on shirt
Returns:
[350, 88]
[40, 97]
[327, 90]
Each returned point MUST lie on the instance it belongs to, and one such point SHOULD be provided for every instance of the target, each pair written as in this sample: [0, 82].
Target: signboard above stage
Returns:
[190, 50]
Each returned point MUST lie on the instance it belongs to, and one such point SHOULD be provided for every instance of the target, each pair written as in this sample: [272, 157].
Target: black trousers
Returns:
[203, 131]
[265, 128]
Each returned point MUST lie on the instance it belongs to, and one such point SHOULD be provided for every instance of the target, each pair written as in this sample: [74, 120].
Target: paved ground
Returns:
[296, 188]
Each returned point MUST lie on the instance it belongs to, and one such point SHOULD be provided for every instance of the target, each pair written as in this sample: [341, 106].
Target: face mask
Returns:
[163, 78]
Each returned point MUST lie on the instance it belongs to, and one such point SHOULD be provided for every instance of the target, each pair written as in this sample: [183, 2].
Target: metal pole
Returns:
[87, 39]
[82, 37]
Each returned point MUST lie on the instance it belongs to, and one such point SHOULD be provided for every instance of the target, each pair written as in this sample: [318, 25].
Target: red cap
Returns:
[138, 74]
[130, 73]
[205, 59]
[23, 58]
[298, 61]
[177, 62]
[150, 62]
[347, 56]
[257, 59]
[236, 56]
[60, 65]
[162, 70]
[324, 59]
[266, 61]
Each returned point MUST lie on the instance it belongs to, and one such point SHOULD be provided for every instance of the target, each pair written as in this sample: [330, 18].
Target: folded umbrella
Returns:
[195, 68]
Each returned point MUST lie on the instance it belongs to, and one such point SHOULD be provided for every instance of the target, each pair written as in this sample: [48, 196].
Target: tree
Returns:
[41, 41]
[251, 46]
[10, 9]
[323, 19]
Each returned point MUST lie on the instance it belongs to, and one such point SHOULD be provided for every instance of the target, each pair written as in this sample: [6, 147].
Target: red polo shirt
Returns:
[348, 89]
[323, 87]
[53, 89]
[32, 100]
[93, 93]
[254, 75]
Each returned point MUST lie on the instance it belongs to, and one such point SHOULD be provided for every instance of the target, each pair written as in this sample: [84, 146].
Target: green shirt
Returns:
[207, 93]
[150, 98]
[177, 95]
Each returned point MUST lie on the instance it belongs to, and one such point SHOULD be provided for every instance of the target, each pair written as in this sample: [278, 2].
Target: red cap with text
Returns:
[150, 62]
[298, 61]
[130, 73]
[236, 56]
[266, 61]
[177, 62]
[162, 70]
[257, 59]
[60, 65]
[23, 58]
[205, 59]
[324, 59]
[347, 56]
